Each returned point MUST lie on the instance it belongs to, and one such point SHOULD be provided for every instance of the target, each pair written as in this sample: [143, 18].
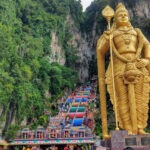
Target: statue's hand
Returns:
[107, 34]
[142, 63]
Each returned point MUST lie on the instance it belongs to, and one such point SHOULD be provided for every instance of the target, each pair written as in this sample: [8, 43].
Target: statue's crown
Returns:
[120, 7]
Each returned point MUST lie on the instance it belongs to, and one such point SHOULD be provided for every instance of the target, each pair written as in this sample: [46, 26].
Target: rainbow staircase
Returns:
[73, 124]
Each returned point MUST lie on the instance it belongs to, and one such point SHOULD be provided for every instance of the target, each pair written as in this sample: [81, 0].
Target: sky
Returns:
[85, 3]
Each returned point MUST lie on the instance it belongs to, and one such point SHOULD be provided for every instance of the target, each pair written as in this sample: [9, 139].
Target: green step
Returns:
[81, 109]
[73, 109]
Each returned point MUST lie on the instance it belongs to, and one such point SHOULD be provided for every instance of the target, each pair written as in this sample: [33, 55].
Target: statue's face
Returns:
[122, 18]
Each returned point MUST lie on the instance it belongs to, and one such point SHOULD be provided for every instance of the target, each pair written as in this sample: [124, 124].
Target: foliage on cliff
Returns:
[25, 71]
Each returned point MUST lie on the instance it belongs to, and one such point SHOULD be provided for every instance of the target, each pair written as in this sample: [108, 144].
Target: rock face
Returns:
[79, 41]
[142, 9]
[57, 54]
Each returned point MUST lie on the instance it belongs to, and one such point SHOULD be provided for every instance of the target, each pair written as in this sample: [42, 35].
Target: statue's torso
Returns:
[125, 41]
[126, 44]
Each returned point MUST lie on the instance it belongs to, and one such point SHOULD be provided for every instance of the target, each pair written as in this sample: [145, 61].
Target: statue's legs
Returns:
[142, 99]
[123, 104]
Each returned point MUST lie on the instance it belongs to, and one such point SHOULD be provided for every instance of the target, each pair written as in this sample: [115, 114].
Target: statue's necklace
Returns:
[125, 29]
[125, 35]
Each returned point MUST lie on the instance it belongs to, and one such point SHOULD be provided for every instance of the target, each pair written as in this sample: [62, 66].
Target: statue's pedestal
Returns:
[120, 140]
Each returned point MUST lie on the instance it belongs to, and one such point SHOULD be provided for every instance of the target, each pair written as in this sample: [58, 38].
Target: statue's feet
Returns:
[106, 136]
[141, 131]
[130, 132]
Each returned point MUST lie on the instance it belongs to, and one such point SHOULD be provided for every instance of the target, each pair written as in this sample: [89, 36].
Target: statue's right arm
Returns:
[101, 49]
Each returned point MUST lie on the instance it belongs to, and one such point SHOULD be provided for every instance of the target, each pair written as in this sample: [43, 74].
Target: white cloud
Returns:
[85, 3]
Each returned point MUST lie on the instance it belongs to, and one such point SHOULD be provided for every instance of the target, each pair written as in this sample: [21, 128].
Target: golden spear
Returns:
[108, 13]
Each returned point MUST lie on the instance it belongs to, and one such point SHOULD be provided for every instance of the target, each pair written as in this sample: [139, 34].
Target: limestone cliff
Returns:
[56, 54]
[79, 41]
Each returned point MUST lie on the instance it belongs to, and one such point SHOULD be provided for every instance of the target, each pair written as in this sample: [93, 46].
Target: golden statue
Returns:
[127, 76]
